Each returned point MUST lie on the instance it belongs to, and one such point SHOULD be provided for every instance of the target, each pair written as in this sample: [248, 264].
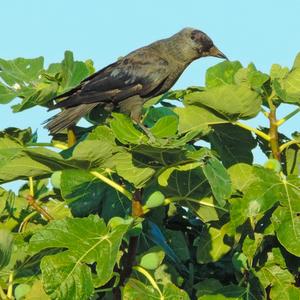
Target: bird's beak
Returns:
[214, 51]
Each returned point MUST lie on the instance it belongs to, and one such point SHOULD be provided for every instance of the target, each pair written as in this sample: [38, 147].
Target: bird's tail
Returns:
[68, 117]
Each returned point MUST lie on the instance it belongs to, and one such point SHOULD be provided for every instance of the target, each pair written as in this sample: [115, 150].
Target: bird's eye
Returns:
[194, 34]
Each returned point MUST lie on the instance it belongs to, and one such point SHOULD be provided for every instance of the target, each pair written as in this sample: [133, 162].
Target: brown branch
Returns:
[32, 202]
[273, 133]
[128, 259]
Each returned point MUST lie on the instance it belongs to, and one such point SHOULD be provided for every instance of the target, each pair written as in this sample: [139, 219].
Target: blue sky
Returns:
[259, 31]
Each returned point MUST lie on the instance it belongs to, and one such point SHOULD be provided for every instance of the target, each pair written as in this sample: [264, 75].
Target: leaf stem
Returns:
[150, 278]
[288, 116]
[71, 137]
[254, 130]
[200, 202]
[113, 184]
[2, 294]
[33, 203]
[25, 221]
[287, 144]
[10, 285]
[31, 187]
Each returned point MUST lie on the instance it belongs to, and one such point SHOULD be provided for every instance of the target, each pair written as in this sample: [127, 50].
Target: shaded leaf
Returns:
[135, 289]
[218, 179]
[210, 245]
[224, 140]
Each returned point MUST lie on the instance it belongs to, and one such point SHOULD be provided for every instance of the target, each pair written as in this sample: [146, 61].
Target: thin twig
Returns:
[32, 202]
[288, 144]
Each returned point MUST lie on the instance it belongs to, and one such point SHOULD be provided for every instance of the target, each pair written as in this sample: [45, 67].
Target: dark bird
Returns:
[135, 78]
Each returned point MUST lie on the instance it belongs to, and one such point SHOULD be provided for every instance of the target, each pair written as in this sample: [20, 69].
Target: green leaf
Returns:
[153, 114]
[291, 83]
[222, 73]
[165, 127]
[287, 227]
[224, 140]
[21, 290]
[241, 176]
[278, 72]
[251, 245]
[207, 286]
[281, 282]
[193, 118]
[132, 169]
[6, 94]
[17, 162]
[124, 130]
[228, 292]
[102, 133]
[232, 102]
[6, 245]
[152, 259]
[41, 94]
[207, 209]
[73, 72]
[259, 196]
[97, 245]
[92, 154]
[37, 292]
[21, 70]
[218, 179]
[82, 191]
[66, 278]
[210, 245]
[135, 289]
[292, 157]
[251, 77]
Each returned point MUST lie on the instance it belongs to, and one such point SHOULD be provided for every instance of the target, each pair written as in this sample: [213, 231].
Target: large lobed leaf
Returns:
[66, 275]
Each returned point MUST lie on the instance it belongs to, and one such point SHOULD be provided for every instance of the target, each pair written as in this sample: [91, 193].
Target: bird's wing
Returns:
[142, 73]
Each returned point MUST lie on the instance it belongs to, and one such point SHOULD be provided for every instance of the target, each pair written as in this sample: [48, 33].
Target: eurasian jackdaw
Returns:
[135, 78]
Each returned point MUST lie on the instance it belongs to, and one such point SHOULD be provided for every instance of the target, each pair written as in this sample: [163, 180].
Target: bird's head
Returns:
[200, 43]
